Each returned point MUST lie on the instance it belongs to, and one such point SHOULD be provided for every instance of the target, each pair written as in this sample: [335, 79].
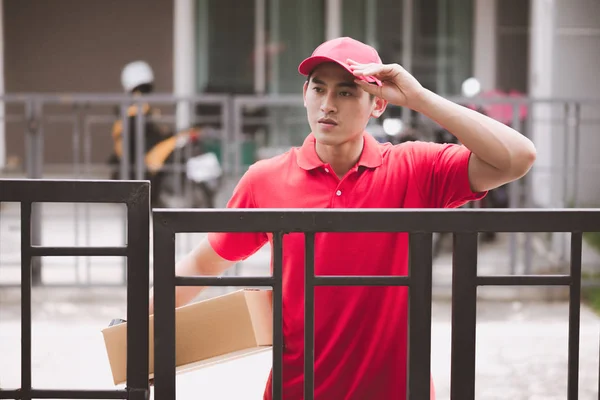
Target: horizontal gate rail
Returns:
[461, 220]
[136, 196]
[465, 224]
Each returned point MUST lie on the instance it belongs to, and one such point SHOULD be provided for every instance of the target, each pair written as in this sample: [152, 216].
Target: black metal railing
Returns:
[419, 224]
[136, 196]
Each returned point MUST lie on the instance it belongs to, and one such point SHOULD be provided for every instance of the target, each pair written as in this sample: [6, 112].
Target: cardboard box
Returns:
[209, 331]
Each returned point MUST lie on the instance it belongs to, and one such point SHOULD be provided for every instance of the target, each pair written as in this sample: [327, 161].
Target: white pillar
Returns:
[333, 17]
[484, 68]
[541, 56]
[2, 122]
[184, 53]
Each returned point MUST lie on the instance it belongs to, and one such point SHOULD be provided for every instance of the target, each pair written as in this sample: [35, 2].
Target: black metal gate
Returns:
[464, 224]
[136, 196]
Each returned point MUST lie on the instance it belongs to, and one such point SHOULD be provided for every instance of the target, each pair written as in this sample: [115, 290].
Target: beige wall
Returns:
[81, 46]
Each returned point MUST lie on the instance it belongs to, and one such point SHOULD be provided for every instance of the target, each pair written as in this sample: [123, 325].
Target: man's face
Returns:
[338, 110]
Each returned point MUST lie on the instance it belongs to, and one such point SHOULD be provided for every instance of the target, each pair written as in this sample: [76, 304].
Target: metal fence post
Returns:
[419, 350]
[277, 299]
[464, 315]
[138, 277]
[309, 315]
[26, 283]
[164, 309]
[574, 316]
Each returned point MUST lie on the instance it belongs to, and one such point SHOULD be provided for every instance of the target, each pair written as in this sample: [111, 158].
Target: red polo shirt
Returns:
[360, 332]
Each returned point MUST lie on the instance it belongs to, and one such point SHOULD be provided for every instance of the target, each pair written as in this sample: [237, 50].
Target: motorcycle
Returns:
[182, 168]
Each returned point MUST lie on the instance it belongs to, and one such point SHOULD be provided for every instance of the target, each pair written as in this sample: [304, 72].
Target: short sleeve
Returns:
[442, 173]
[239, 246]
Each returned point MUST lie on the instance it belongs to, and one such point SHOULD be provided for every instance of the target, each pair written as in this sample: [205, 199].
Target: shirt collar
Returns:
[308, 159]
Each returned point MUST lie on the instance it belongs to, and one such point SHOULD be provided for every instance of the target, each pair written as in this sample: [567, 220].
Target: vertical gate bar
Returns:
[26, 283]
[309, 320]
[419, 350]
[164, 309]
[277, 315]
[464, 314]
[140, 142]
[574, 316]
[138, 277]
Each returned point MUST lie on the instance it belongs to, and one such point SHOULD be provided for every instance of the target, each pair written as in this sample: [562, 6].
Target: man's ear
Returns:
[304, 89]
[379, 107]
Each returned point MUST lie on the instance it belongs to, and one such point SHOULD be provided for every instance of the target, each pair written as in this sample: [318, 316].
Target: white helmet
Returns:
[135, 74]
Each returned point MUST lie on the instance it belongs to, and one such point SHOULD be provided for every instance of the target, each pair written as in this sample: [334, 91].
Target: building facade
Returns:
[544, 48]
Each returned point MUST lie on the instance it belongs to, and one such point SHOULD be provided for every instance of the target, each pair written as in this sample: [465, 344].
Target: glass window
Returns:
[255, 47]
[295, 29]
[224, 58]
[442, 37]
[443, 44]
[228, 43]
[375, 22]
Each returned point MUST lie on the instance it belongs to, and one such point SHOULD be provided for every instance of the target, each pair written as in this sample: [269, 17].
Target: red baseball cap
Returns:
[338, 51]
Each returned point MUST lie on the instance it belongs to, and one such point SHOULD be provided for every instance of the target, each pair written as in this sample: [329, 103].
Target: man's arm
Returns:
[500, 154]
[203, 260]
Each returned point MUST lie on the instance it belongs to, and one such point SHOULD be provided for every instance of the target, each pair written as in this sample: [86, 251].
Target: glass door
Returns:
[254, 47]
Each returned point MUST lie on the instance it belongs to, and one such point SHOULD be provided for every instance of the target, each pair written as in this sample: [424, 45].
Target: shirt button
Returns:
[339, 192]
[327, 170]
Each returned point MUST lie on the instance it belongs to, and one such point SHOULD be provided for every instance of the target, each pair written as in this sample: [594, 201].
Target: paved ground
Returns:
[521, 350]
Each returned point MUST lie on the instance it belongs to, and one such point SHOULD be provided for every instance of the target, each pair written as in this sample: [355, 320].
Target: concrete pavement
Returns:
[521, 349]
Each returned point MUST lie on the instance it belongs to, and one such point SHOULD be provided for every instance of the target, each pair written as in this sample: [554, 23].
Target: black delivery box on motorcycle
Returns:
[215, 330]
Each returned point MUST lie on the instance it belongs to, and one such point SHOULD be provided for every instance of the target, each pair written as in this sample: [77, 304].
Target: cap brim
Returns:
[309, 64]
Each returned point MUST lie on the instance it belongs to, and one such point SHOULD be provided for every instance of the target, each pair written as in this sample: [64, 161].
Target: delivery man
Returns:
[360, 332]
